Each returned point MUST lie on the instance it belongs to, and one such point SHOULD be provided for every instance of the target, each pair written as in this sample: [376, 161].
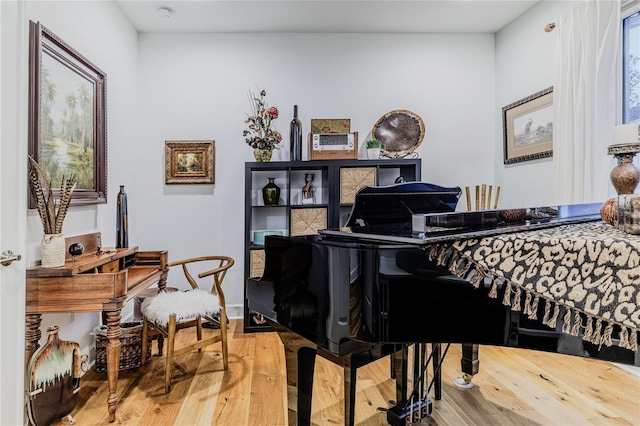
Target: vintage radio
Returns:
[333, 146]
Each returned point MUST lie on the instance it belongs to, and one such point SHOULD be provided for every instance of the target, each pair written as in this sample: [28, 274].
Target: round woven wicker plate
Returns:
[400, 132]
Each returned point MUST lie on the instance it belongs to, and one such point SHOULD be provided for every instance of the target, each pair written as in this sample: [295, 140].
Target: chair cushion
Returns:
[186, 305]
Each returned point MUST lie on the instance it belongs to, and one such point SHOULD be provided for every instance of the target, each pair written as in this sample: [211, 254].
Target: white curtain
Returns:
[584, 97]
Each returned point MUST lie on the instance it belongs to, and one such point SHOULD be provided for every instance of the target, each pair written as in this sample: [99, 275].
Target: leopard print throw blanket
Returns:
[590, 271]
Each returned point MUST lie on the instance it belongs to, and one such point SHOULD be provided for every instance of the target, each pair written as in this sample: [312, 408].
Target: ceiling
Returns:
[434, 16]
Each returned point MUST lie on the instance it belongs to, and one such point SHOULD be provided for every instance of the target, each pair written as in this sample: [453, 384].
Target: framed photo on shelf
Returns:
[528, 127]
[67, 116]
[189, 162]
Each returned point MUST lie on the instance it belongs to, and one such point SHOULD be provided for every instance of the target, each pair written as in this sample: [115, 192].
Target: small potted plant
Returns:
[373, 149]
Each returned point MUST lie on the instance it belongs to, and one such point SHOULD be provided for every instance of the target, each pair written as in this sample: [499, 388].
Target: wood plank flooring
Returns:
[514, 387]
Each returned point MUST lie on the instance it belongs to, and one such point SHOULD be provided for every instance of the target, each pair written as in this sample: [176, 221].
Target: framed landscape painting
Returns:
[67, 116]
[528, 128]
[189, 162]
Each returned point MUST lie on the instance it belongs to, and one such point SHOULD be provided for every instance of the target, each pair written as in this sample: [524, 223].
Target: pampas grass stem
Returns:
[52, 212]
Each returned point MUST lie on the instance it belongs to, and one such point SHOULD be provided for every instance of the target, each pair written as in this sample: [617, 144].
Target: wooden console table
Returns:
[93, 282]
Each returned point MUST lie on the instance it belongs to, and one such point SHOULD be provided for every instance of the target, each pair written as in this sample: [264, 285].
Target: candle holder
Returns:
[625, 175]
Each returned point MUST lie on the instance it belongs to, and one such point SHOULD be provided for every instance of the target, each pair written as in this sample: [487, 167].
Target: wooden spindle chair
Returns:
[169, 312]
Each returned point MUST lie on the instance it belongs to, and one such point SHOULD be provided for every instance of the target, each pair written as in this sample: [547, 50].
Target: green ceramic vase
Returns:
[271, 193]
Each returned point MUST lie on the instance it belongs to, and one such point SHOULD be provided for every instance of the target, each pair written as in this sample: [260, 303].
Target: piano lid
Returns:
[439, 227]
[389, 208]
[495, 221]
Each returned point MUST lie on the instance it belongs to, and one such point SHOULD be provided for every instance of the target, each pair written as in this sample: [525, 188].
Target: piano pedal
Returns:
[411, 415]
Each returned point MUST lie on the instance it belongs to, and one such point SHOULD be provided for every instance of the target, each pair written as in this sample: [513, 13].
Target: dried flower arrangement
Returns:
[52, 212]
[259, 134]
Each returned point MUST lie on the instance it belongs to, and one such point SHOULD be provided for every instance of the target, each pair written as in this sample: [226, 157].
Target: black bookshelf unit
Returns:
[334, 184]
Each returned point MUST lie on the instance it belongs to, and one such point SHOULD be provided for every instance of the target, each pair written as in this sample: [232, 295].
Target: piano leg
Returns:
[300, 358]
[305, 368]
[470, 365]
[401, 374]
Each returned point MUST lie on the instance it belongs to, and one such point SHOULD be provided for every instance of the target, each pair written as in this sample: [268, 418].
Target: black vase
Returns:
[271, 193]
[122, 223]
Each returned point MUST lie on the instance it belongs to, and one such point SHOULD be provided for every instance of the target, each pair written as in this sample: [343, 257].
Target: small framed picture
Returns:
[528, 128]
[189, 162]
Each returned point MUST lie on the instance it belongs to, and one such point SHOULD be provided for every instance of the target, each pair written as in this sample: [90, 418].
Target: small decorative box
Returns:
[628, 219]
[258, 236]
[331, 125]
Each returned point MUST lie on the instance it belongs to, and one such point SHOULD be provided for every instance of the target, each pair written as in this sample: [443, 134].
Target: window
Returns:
[631, 68]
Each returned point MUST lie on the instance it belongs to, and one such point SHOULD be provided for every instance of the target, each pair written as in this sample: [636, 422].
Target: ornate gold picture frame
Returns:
[189, 162]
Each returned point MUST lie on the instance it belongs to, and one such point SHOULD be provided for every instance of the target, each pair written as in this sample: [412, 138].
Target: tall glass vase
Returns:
[122, 222]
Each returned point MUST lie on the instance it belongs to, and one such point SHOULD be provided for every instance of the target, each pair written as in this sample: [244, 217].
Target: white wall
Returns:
[100, 32]
[525, 62]
[194, 86]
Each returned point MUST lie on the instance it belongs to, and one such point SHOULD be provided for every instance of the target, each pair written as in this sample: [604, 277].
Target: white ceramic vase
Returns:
[52, 250]
[373, 153]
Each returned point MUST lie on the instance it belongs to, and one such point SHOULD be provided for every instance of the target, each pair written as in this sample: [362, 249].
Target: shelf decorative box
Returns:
[258, 236]
[308, 221]
[330, 125]
[257, 263]
[354, 178]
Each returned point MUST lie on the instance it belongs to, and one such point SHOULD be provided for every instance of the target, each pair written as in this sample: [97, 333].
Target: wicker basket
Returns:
[130, 347]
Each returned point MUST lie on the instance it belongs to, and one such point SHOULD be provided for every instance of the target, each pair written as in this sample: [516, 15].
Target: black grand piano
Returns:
[370, 290]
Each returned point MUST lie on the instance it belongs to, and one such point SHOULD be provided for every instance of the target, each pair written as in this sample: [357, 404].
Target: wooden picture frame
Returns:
[528, 127]
[189, 162]
[67, 116]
